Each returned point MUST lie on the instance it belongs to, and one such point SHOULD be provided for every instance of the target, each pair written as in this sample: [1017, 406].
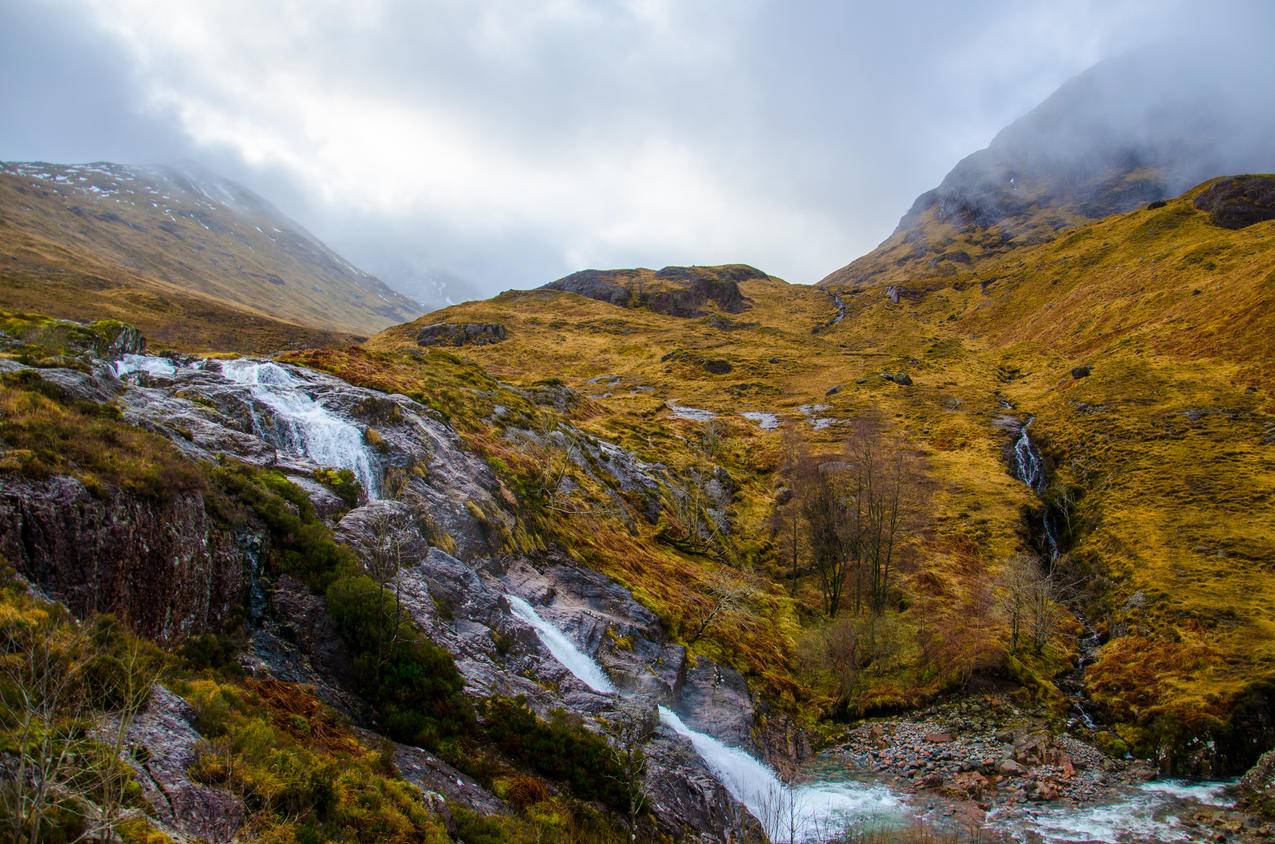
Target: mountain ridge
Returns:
[1126, 132]
[106, 231]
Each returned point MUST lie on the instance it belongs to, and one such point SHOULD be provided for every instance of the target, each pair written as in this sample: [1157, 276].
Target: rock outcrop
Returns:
[675, 291]
[461, 334]
[162, 564]
[1239, 202]
[164, 743]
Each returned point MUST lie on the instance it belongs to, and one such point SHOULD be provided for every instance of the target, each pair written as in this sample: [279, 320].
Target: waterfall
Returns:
[1029, 468]
[572, 658]
[301, 424]
[841, 309]
[296, 424]
[807, 812]
[161, 367]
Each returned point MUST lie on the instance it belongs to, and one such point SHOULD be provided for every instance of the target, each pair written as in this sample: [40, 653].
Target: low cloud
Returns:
[502, 144]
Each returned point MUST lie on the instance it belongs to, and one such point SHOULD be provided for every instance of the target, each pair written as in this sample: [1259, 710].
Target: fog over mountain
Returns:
[459, 149]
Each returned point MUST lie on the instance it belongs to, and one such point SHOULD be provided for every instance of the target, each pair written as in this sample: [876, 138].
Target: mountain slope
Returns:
[178, 245]
[1127, 132]
[1157, 447]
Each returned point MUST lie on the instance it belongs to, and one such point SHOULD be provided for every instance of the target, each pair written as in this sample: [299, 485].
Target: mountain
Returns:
[599, 561]
[164, 246]
[1137, 346]
[1127, 132]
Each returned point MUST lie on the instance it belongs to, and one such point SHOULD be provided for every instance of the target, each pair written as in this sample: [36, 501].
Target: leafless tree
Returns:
[1027, 598]
[632, 725]
[57, 676]
[856, 511]
[727, 591]
[824, 512]
[786, 518]
[383, 559]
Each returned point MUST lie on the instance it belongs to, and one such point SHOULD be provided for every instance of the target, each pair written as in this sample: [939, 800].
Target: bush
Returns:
[414, 683]
[560, 749]
[343, 484]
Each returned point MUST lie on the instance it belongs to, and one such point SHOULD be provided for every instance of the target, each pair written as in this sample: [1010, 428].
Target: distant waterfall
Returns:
[813, 812]
[1029, 468]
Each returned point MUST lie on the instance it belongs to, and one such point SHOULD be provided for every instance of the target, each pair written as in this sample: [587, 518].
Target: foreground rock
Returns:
[164, 742]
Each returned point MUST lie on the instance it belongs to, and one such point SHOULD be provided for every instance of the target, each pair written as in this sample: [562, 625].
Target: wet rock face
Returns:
[461, 334]
[463, 608]
[1239, 202]
[161, 565]
[418, 459]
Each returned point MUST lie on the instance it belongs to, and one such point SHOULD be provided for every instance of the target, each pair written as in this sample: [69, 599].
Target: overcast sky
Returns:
[504, 144]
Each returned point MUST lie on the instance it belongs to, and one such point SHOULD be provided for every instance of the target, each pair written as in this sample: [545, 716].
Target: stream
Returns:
[283, 408]
[291, 412]
[789, 813]
[1029, 467]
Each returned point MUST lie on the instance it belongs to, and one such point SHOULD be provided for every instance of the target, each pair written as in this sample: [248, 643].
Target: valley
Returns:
[971, 540]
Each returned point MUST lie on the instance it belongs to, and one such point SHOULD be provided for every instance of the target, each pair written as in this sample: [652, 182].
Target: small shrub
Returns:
[342, 482]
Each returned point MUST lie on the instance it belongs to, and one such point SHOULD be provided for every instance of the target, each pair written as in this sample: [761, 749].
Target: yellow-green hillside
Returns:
[1161, 457]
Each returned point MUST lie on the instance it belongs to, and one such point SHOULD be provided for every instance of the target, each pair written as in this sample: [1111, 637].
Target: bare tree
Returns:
[1027, 598]
[727, 591]
[856, 511]
[56, 676]
[630, 728]
[786, 518]
[383, 559]
[823, 509]
[880, 480]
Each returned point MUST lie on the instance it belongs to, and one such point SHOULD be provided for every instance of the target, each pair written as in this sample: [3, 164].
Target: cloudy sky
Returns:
[503, 144]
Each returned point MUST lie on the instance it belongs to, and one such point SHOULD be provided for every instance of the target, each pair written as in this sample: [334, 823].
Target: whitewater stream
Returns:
[789, 813]
[284, 411]
[819, 811]
[288, 412]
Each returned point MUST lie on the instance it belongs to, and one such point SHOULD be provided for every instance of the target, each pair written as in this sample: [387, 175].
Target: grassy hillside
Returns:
[1160, 457]
[639, 372]
[1140, 344]
[174, 252]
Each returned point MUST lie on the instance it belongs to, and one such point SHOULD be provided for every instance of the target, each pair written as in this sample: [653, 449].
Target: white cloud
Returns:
[513, 141]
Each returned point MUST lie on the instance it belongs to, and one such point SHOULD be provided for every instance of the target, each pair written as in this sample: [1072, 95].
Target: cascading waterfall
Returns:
[1029, 468]
[304, 425]
[801, 813]
[296, 424]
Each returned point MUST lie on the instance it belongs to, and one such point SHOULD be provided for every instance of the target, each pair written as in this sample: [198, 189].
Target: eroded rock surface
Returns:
[162, 564]
[168, 740]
